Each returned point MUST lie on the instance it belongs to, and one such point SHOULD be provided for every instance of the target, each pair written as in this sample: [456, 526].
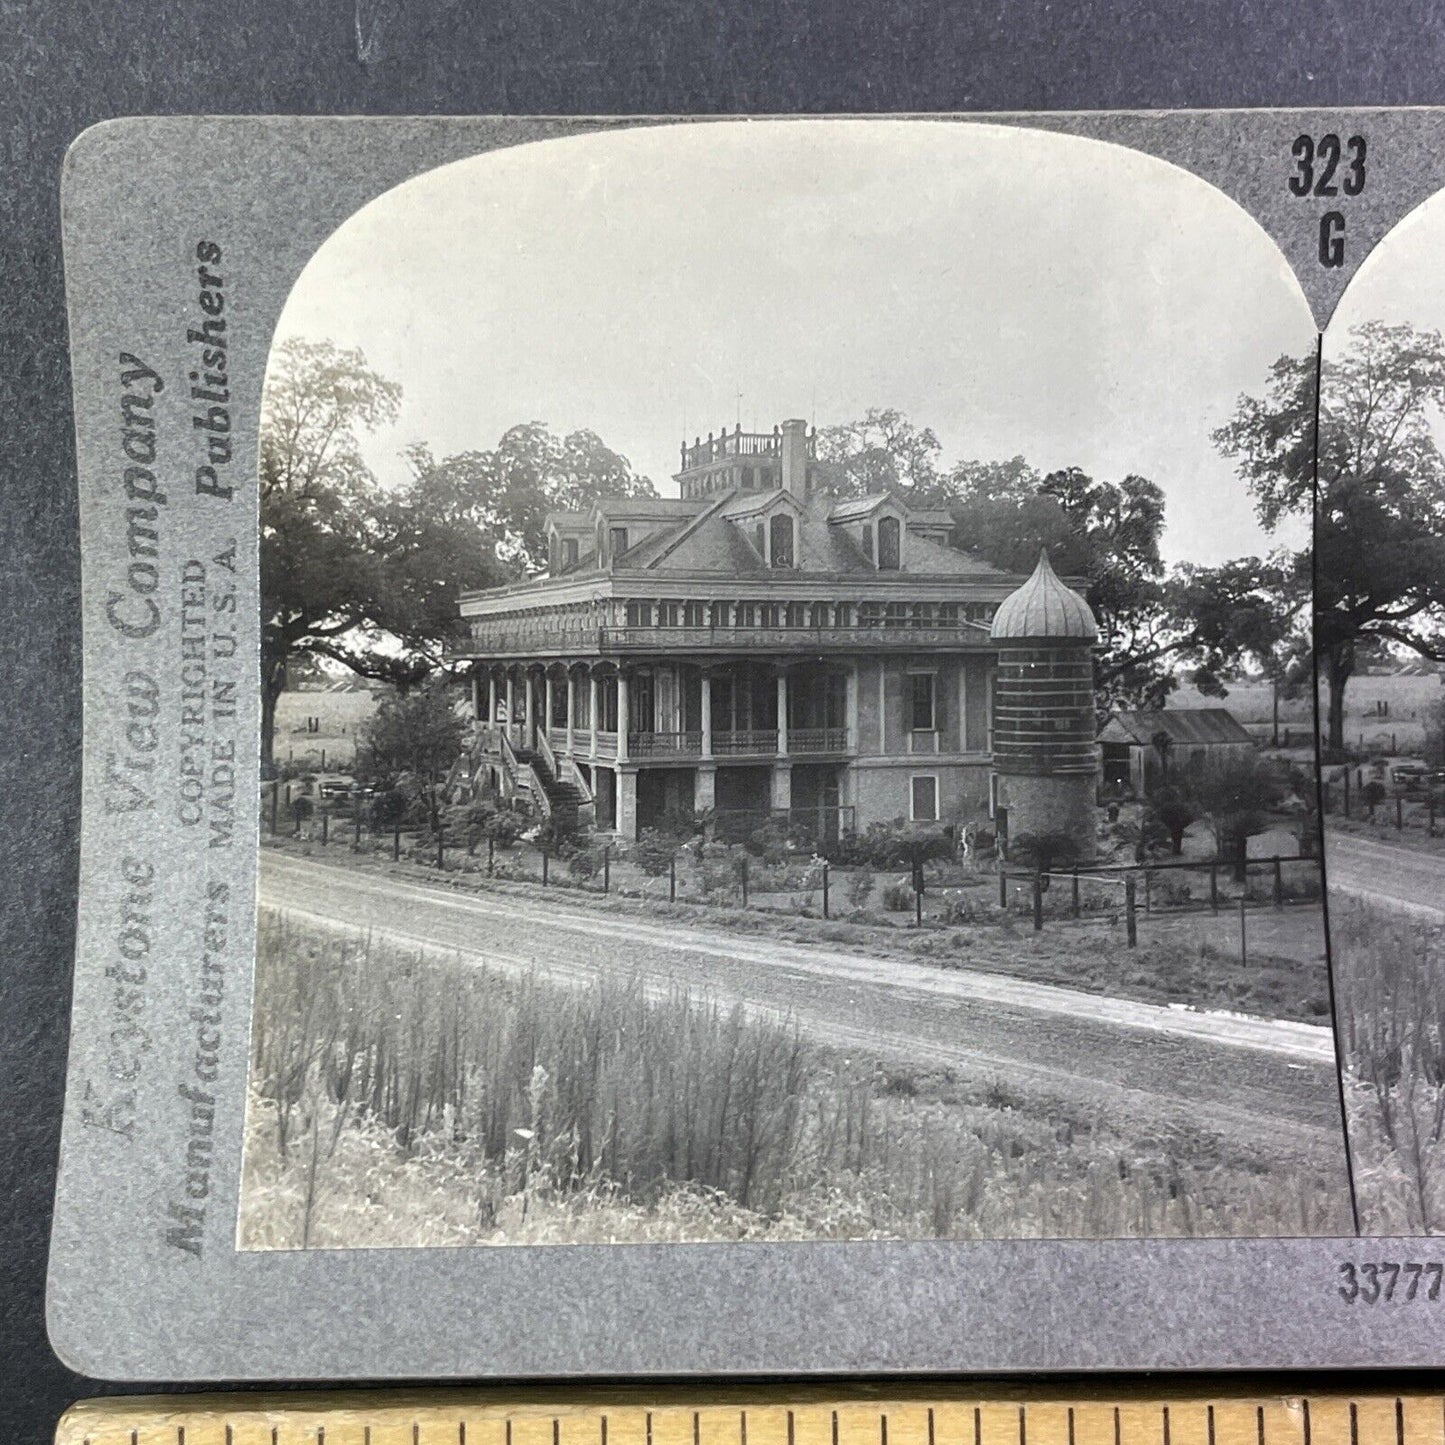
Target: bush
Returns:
[860, 887]
[504, 827]
[388, 809]
[769, 841]
[654, 851]
[897, 897]
[557, 837]
[586, 861]
[301, 809]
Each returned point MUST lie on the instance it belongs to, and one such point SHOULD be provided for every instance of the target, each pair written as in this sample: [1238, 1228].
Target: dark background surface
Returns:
[65, 64]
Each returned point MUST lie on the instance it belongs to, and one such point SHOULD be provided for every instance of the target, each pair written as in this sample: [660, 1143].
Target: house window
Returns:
[922, 702]
[639, 614]
[569, 551]
[780, 534]
[923, 614]
[820, 614]
[617, 540]
[721, 613]
[870, 614]
[897, 615]
[747, 614]
[868, 540]
[797, 614]
[923, 798]
[843, 614]
[888, 548]
[771, 616]
[667, 614]
[692, 615]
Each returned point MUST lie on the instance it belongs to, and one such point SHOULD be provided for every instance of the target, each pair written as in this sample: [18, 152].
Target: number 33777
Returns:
[1382, 1283]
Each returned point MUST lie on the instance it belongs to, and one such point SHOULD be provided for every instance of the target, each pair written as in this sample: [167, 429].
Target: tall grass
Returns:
[1390, 993]
[405, 1099]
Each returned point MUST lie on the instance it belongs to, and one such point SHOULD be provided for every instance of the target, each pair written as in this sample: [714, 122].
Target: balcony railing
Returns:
[606, 744]
[664, 745]
[817, 740]
[749, 741]
[739, 443]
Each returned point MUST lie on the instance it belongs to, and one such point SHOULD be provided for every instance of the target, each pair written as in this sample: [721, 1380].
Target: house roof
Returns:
[1196, 726]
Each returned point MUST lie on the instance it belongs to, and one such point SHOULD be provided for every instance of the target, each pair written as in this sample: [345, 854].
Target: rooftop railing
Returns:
[738, 443]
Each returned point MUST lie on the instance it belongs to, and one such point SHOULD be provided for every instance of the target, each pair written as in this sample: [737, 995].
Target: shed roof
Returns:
[1194, 726]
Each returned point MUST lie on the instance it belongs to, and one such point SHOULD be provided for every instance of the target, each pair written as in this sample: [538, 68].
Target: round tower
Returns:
[1045, 758]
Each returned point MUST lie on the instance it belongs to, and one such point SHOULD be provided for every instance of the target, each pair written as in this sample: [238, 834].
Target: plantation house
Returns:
[752, 646]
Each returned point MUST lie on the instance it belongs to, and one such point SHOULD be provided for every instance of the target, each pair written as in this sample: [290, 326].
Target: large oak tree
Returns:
[1367, 466]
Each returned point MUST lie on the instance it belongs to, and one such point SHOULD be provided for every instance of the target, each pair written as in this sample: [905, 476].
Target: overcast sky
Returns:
[1018, 292]
[1401, 281]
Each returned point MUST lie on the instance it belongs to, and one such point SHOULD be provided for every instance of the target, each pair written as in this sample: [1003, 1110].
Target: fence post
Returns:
[1399, 813]
[323, 760]
[1214, 887]
[396, 842]
[1243, 936]
[441, 846]
[1038, 902]
[825, 887]
[1074, 900]
[1002, 887]
[356, 828]
[745, 880]
[1347, 792]
[672, 879]
[326, 823]
[1148, 891]
[607, 868]
[491, 856]
[546, 854]
[1131, 923]
[275, 796]
[1278, 884]
[917, 905]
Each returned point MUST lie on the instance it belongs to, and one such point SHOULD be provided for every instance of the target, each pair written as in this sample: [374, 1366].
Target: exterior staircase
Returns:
[564, 799]
[535, 776]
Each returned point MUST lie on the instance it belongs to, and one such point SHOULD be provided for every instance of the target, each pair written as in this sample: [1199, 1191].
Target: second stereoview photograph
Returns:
[789, 714]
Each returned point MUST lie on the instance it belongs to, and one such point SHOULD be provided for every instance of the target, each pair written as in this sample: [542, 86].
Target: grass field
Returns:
[336, 717]
[1390, 991]
[400, 1100]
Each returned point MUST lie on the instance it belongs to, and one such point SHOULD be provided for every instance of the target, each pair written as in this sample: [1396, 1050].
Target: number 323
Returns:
[1317, 162]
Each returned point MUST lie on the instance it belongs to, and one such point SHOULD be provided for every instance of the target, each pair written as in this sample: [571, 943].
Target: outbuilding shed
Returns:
[1143, 750]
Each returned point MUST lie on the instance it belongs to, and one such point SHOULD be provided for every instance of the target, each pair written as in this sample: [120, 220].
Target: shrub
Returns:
[897, 897]
[557, 836]
[505, 827]
[769, 841]
[860, 888]
[301, 809]
[586, 861]
[388, 809]
[654, 851]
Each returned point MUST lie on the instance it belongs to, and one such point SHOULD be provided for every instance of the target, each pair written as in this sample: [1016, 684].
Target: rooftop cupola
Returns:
[1044, 608]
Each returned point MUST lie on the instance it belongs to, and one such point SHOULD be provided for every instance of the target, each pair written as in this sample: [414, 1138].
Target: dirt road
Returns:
[1410, 880]
[1254, 1083]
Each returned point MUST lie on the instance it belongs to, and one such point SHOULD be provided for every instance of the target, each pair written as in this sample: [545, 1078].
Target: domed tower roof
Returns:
[1044, 609]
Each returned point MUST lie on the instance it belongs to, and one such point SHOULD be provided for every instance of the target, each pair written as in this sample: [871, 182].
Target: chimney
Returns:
[795, 458]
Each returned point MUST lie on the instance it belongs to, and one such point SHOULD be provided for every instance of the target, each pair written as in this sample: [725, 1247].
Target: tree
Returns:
[1174, 810]
[1366, 467]
[1235, 792]
[410, 743]
[881, 452]
[350, 570]
[530, 472]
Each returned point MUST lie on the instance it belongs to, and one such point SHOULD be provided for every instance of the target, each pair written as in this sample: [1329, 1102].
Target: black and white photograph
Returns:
[1380, 640]
[787, 706]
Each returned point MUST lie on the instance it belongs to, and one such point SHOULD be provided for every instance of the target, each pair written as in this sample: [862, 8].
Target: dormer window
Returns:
[888, 544]
[617, 540]
[569, 551]
[868, 540]
[780, 535]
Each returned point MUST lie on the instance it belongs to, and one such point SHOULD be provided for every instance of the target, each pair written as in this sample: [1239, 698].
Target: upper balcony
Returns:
[739, 443]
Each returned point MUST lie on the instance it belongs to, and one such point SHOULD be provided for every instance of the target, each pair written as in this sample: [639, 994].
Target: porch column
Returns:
[707, 714]
[512, 731]
[491, 695]
[782, 799]
[528, 711]
[627, 802]
[571, 705]
[622, 727]
[852, 742]
[704, 793]
[592, 711]
[547, 704]
[476, 691]
[782, 712]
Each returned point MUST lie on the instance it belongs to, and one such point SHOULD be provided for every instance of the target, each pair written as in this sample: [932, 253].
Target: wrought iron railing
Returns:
[818, 740]
[661, 745]
[749, 740]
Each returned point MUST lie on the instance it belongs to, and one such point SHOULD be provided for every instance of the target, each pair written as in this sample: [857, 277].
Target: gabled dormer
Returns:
[569, 541]
[878, 526]
[772, 523]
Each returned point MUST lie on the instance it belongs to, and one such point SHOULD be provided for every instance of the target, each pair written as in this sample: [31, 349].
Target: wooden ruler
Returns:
[761, 1415]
